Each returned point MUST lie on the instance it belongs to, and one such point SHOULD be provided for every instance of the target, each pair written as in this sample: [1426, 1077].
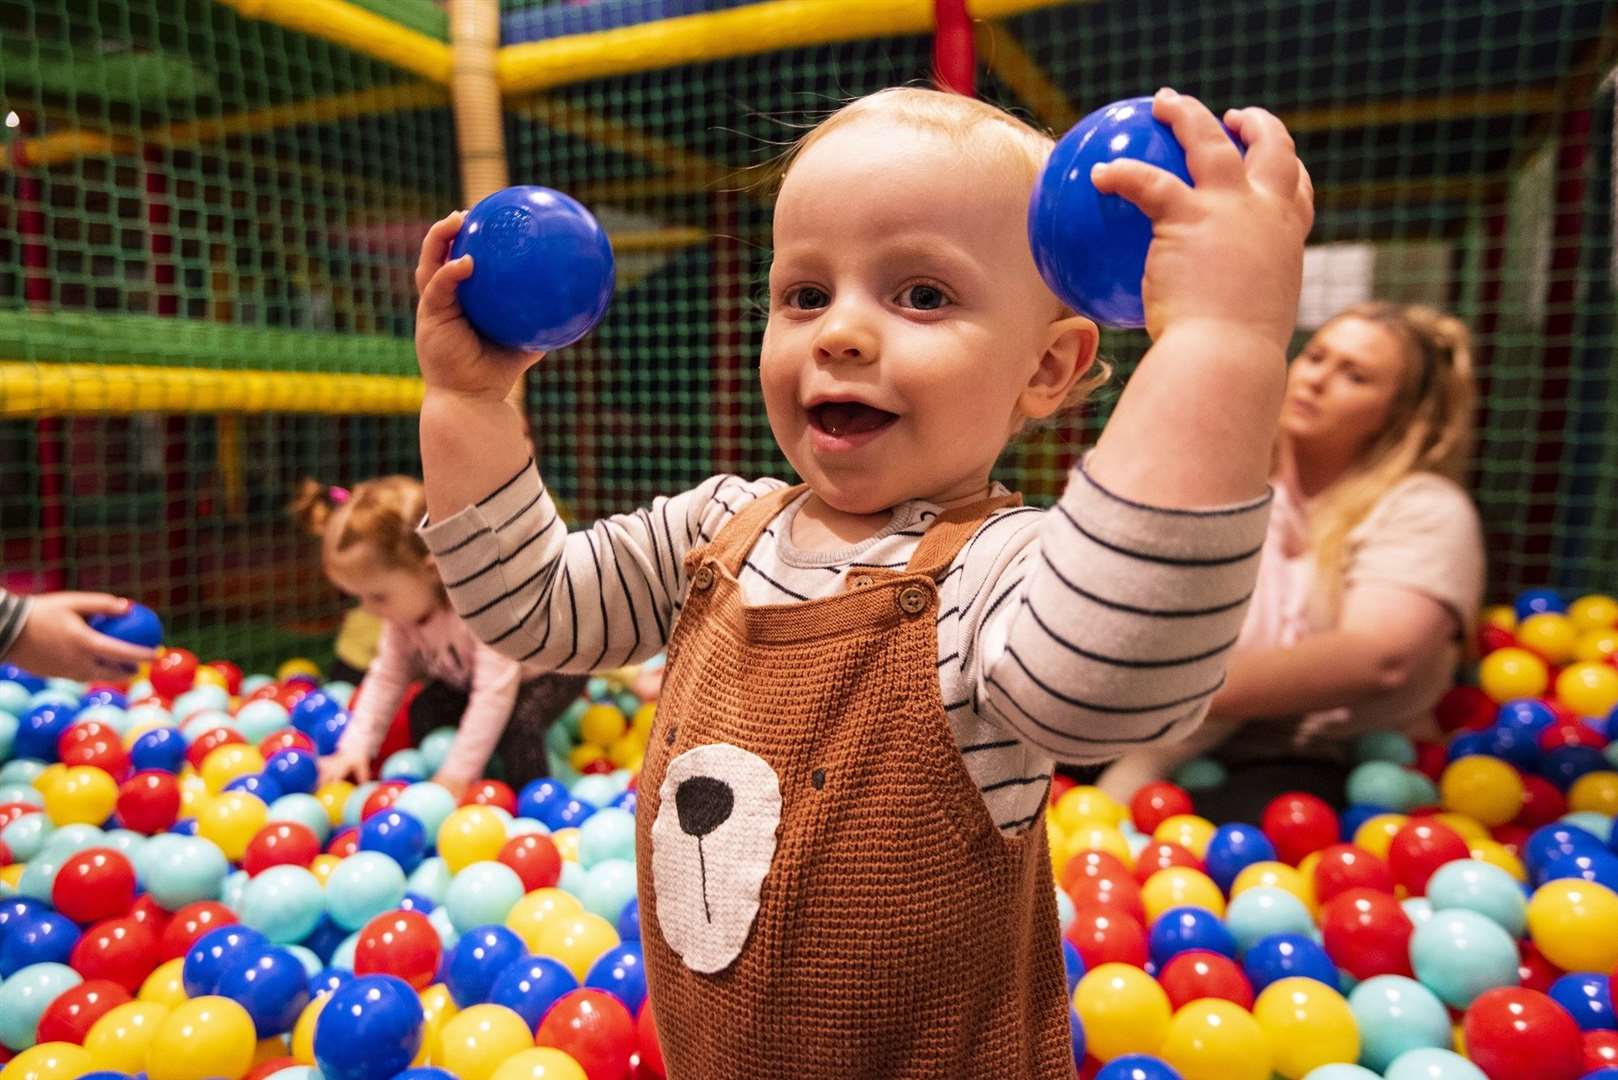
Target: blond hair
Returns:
[381, 513]
[985, 134]
[1428, 429]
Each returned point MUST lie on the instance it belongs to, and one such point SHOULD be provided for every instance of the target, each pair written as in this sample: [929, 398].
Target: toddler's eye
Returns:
[807, 297]
[923, 297]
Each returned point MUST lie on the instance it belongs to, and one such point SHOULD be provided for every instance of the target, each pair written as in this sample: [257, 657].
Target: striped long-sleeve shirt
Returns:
[13, 614]
[1075, 633]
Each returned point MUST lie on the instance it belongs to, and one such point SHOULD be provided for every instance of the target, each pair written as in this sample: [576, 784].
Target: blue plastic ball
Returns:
[1529, 714]
[531, 985]
[311, 709]
[1598, 866]
[621, 971]
[40, 937]
[14, 909]
[1072, 965]
[328, 980]
[160, 748]
[41, 729]
[329, 732]
[477, 960]
[1260, 912]
[370, 1029]
[215, 953]
[1566, 764]
[542, 272]
[324, 939]
[297, 771]
[1136, 1067]
[397, 835]
[1554, 840]
[1352, 817]
[271, 984]
[1516, 744]
[628, 923]
[261, 785]
[567, 814]
[1396, 1014]
[25, 995]
[1182, 929]
[363, 886]
[26, 679]
[1232, 849]
[1467, 744]
[426, 1072]
[103, 695]
[139, 625]
[1284, 956]
[1588, 999]
[1458, 954]
[539, 795]
[1538, 602]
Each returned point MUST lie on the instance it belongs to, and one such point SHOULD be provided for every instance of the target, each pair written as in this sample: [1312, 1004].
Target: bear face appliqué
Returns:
[712, 844]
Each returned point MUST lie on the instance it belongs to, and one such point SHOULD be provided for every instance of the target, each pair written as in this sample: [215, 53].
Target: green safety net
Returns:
[1462, 152]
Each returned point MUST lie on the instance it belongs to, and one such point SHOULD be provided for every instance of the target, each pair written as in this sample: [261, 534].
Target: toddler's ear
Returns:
[1070, 350]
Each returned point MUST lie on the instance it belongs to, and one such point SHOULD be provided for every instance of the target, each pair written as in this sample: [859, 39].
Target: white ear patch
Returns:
[712, 844]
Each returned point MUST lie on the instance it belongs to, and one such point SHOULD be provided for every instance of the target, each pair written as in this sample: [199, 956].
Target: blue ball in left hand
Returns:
[138, 626]
[542, 268]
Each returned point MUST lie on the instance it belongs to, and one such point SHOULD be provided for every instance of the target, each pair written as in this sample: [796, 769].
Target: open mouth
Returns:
[849, 420]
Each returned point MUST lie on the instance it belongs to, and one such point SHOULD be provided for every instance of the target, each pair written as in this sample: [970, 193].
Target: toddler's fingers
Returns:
[435, 247]
[438, 295]
[1155, 191]
[1306, 194]
[115, 652]
[1272, 157]
[1209, 153]
[94, 603]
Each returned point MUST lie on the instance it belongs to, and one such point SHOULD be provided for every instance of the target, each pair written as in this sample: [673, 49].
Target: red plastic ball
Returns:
[535, 858]
[1156, 803]
[232, 674]
[1562, 713]
[70, 1017]
[401, 943]
[1298, 823]
[595, 1029]
[1092, 864]
[209, 741]
[290, 693]
[1542, 802]
[1060, 785]
[385, 795]
[1600, 1050]
[1160, 855]
[150, 913]
[1343, 867]
[122, 951]
[1367, 933]
[599, 767]
[1431, 759]
[1109, 890]
[344, 843]
[491, 793]
[285, 739]
[1517, 1034]
[173, 672]
[94, 884]
[270, 1068]
[92, 743]
[1570, 733]
[1464, 707]
[1533, 970]
[5, 854]
[280, 843]
[1199, 973]
[1419, 848]
[11, 811]
[651, 1051]
[190, 923]
[149, 801]
[267, 692]
[1512, 836]
[1107, 935]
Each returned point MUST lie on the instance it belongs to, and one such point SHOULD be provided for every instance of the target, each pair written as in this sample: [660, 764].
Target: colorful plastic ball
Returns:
[1342, 867]
[1428, 1063]
[474, 1042]
[401, 943]
[1232, 849]
[41, 937]
[1419, 849]
[1201, 974]
[149, 801]
[271, 984]
[363, 886]
[578, 941]
[284, 903]
[1480, 887]
[1180, 886]
[231, 820]
[97, 745]
[25, 995]
[280, 843]
[534, 858]
[1587, 997]
[189, 924]
[621, 972]
[538, 796]
[162, 749]
[482, 893]
[471, 834]
[608, 886]
[1137, 1067]
[1509, 673]
[1298, 823]
[1367, 933]
[369, 1029]
[182, 870]
[531, 985]
[1517, 1034]
[295, 771]
[1600, 1051]
[83, 794]
[594, 1029]
[1186, 928]
[1108, 935]
[1307, 1025]
[216, 952]
[71, 1016]
[52, 1061]
[1483, 788]
[1259, 912]
[607, 834]
[1575, 924]
[397, 835]
[1123, 1009]
[539, 1063]
[165, 985]
[1213, 1039]
[1284, 956]
[93, 885]
[41, 729]
[1458, 954]
[1395, 1014]
[478, 959]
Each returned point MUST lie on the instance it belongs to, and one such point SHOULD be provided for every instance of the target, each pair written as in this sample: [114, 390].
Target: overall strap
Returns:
[738, 535]
[950, 532]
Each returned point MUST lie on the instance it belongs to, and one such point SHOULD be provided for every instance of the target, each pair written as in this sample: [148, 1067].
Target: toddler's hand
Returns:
[453, 784]
[1230, 249]
[344, 765]
[452, 356]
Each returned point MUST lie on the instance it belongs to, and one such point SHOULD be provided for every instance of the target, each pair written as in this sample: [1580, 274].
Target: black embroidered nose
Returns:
[703, 804]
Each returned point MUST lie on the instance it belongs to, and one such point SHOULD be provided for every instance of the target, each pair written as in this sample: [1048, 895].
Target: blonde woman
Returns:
[1372, 567]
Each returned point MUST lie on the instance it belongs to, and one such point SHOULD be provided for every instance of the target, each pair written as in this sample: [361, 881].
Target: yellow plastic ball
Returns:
[1596, 645]
[1307, 1024]
[1595, 791]
[269, 1049]
[476, 1041]
[165, 985]
[1123, 1010]
[602, 725]
[576, 941]
[322, 866]
[231, 820]
[1483, 788]
[194, 794]
[437, 1007]
[627, 752]
[1575, 924]
[333, 798]
[645, 717]
[586, 754]
[529, 915]
[539, 1063]
[1593, 612]
[1094, 837]
[85, 795]
[1497, 854]
[1376, 835]
[49, 777]
[210, 676]
[1589, 687]
[1188, 830]
[567, 844]
[303, 1032]
[1086, 805]
[298, 665]
[1511, 673]
[1180, 886]
[1276, 875]
[1466, 828]
[207, 1037]
[49, 1061]
[471, 834]
[11, 875]
[1503, 616]
[1214, 1039]
[1550, 635]
[226, 763]
[117, 1042]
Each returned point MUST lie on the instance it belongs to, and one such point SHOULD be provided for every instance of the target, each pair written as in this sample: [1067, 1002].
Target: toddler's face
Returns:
[388, 592]
[906, 316]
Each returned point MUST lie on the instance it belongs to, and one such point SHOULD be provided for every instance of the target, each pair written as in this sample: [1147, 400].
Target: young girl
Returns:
[370, 550]
[843, 864]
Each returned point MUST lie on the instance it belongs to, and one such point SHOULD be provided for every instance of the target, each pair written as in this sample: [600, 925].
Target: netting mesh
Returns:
[188, 188]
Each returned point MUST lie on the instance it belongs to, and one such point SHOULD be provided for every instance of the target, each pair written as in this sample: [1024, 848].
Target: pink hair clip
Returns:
[338, 495]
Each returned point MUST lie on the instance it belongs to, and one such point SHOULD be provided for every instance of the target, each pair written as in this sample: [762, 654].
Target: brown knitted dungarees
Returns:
[823, 892]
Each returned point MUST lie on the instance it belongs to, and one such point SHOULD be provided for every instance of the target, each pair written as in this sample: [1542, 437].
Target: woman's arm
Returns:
[1386, 634]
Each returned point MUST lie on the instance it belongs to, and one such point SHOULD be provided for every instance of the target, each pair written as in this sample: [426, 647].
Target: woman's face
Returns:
[1342, 387]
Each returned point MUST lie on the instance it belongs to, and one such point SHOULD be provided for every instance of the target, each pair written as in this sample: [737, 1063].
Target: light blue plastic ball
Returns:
[356, 803]
[441, 923]
[595, 789]
[187, 871]
[435, 747]
[256, 681]
[607, 834]
[559, 740]
[39, 874]
[1201, 774]
[127, 842]
[1599, 825]
[311, 963]
[431, 879]
[197, 699]
[25, 836]
[296, 1072]
[596, 689]
[339, 691]
[67, 686]
[482, 893]
[23, 771]
[620, 780]
[405, 764]
[106, 713]
[8, 732]
[342, 957]
[1430, 1064]
[1418, 909]
[573, 878]
[428, 803]
[1341, 1071]
[1391, 746]
[1423, 792]
[1265, 910]
[13, 698]
[305, 810]
[72, 839]
[25, 996]
[200, 723]
[363, 886]
[53, 695]
[1065, 911]
[260, 719]
[23, 793]
[1458, 954]
[1396, 1014]
[231, 892]
[1481, 887]
[523, 826]
[608, 886]
[1380, 783]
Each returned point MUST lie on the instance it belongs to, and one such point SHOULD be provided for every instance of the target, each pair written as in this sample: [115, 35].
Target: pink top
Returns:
[444, 649]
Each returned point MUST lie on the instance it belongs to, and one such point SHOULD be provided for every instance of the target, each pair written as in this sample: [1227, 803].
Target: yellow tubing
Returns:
[35, 390]
[356, 29]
